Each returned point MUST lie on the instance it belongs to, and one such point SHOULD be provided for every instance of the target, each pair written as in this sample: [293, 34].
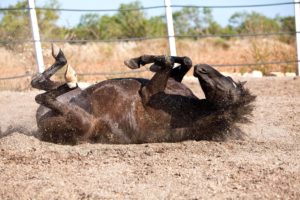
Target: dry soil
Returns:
[265, 165]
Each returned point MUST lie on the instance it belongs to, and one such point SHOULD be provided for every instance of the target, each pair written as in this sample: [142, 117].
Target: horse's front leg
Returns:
[162, 65]
[180, 71]
[176, 73]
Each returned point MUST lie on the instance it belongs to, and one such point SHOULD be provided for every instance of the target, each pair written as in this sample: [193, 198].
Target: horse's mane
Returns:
[227, 118]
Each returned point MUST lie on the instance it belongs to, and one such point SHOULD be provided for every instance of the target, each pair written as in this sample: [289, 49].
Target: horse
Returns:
[138, 110]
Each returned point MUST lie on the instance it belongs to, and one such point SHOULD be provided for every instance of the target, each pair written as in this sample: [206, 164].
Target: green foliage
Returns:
[228, 30]
[287, 25]
[127, 23]
[109, 28]
[195, 21]
[187, 21]
[131, 22]
[16, 24]
[156, 26]
[47, 21]
[253, 23]
[88, 27]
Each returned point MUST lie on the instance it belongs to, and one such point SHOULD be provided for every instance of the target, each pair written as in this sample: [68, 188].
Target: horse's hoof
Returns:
[133, 63]
[71, 77]
[55, 50]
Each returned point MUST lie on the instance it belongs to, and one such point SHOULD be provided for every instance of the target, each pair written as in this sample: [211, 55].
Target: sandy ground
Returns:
[266, 164]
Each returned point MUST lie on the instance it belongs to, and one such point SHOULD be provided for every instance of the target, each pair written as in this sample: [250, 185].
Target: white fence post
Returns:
[170, 26]
[36, 37]
[297, 23]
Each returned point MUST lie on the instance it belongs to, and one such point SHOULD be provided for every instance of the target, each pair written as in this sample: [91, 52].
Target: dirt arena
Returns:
[264, 165]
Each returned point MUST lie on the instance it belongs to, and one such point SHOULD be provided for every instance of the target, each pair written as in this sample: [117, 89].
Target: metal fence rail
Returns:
[295, 3]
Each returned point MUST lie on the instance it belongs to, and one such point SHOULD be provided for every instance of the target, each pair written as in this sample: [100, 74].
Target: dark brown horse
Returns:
[135, 110]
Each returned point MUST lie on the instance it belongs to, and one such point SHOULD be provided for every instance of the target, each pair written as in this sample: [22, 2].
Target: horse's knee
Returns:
[45, 99]
[40, 98]
[34, 83]
[38, 81]
[187, 62]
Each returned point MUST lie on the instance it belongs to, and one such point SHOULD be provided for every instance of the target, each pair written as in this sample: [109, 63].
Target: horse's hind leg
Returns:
[75, 117]
[46, 99]
[42, 81]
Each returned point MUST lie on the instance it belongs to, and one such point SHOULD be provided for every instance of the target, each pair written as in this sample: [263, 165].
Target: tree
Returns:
[87, 27]
[287, 24]
[15, 24]
[253, 23]
[130, 21]
[187, 21]
[109, 28]
[194, 21]
[156, 26]
[47, 20]
[133, 22]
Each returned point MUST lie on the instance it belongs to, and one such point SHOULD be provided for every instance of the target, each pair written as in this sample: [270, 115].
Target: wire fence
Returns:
[243, 35]
[269, 34]
[154, 7]
[146, 69]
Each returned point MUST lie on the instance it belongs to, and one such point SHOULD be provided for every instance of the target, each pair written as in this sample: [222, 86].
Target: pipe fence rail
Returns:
[167, 5]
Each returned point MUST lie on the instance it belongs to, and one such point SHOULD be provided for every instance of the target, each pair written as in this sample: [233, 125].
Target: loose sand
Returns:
[266, 164]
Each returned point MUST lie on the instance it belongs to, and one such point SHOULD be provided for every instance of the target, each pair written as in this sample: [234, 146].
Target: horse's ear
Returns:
[243, 83]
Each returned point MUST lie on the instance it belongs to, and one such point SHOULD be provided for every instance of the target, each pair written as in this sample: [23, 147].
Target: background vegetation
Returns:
[17, 57]
[135, 23]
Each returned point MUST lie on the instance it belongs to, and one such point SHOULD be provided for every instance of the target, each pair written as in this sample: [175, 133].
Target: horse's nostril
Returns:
[197, 71]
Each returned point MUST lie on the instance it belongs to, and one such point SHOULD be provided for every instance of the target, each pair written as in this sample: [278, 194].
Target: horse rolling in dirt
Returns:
[136, 110]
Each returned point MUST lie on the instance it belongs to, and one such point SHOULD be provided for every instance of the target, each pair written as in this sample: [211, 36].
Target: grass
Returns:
[109, 57]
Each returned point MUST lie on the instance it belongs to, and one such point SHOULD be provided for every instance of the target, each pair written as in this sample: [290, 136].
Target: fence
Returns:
[171, 36]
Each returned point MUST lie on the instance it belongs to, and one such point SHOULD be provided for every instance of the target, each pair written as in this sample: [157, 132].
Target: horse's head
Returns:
[221, 91]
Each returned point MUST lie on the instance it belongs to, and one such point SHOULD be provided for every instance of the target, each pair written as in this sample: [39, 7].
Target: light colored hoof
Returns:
[71, 77]
[55, 50]
[84, 85]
